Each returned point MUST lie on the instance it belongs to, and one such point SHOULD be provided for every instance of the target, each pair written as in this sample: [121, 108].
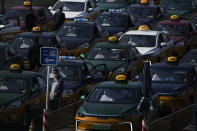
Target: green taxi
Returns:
[22, 96]
[118, 58]
[112, 105]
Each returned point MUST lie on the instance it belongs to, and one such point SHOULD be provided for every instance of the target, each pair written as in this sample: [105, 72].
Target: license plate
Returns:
[102, 126]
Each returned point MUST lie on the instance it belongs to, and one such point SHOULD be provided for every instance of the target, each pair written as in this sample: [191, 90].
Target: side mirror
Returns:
[90, 9]
[163, 44]
[50, 7]
[82, 97]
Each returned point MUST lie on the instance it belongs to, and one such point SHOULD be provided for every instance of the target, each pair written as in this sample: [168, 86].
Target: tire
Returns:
[26, 120]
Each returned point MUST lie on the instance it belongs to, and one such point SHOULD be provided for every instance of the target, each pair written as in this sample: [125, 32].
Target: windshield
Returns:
[143, 12]
[172, 29]
[112, 1]
[13, 85]
[70, 6]
[17, 13]
[3, 20]
[113, 95]
[108, 54]
[178, 5]
[67, 72]
[139, 40]
[76, 31]
[115, 21]
[170, 76]
[26, 42]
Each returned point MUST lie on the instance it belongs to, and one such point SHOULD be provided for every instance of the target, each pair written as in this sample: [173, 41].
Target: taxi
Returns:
[7, 30]
[114, 21]
[78, 77]
[190, 58]
[8, 56]
[111, 105]
[175, 83]
[79, 36]
[24, 40]
[144, 14]
[118, 58]
[182, 32]
[76, 9]
[152, 45]
[44, 16]
[22, 96]
[182, 8]
[105, 5]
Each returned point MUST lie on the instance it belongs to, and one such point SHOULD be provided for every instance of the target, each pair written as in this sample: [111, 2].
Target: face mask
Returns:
[52, 75]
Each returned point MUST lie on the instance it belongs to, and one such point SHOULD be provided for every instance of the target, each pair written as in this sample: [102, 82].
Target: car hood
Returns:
[144, 50]
[71, 85]
[7, 98]
[167, 88]
[111, 65]
[100, 109]
[177, 39]
[73, 43]
[70, 14]
[105, 6]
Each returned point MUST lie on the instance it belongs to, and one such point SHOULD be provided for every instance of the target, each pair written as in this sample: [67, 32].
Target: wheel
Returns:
[26, 120]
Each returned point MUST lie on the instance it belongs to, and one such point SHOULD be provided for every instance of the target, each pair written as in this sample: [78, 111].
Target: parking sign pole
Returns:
[47, 93]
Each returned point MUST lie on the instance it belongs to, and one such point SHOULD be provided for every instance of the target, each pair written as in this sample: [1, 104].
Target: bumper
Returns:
[93, 126]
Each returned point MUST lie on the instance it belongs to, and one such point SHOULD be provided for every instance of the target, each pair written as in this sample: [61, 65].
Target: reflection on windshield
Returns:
[165, 75]
[76, 31]
[118, 21]
[70, 6]
[172, 29]
[113, 95]
[143, 12]
[108, 53]
[13, 85]
[26, 42]
[179, 5]
[68, 72]
[139, 40]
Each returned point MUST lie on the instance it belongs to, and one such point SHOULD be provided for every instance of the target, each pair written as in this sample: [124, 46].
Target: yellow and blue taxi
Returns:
[78, 77]
[152, 45]
[144, 14]
[24, 41]
[22, 96]
[175, 83]
[111, 105]
[79, 36]
[115, 21]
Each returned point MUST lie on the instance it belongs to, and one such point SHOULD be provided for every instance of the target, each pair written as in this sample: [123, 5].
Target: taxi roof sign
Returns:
[143, 28]
[172, 59]
[80, 20]
[36, 29]
[174, 17]
[15, 67]
[113, 39]
[120, 77]
[27, 3]
[67, 57]
[114, 10]
[144, 1]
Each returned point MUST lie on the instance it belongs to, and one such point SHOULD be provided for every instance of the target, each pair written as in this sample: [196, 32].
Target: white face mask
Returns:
[51, 75]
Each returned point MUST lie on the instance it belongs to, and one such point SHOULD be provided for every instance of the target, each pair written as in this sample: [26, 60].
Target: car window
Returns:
[41, 81]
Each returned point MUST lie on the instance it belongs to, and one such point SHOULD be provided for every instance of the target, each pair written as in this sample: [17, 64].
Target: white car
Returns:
[76, 8]
[7, 30]
[151, 44]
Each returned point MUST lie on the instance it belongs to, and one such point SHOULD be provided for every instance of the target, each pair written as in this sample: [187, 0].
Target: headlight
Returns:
[14, 105]
[119, 70]
[84, 46]
[2, 26]
[80, 114]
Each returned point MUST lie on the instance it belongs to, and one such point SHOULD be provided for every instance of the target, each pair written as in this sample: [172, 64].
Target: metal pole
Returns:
[47, 93]
[194, 117]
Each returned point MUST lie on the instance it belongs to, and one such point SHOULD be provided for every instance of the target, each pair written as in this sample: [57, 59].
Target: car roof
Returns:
[112, 45]
[15, 74]
[137, 32]
[72, 0]
[180, 22]
[113, 84]
[187, 67]
[114, 14]
[26, 7]
[36, 34]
